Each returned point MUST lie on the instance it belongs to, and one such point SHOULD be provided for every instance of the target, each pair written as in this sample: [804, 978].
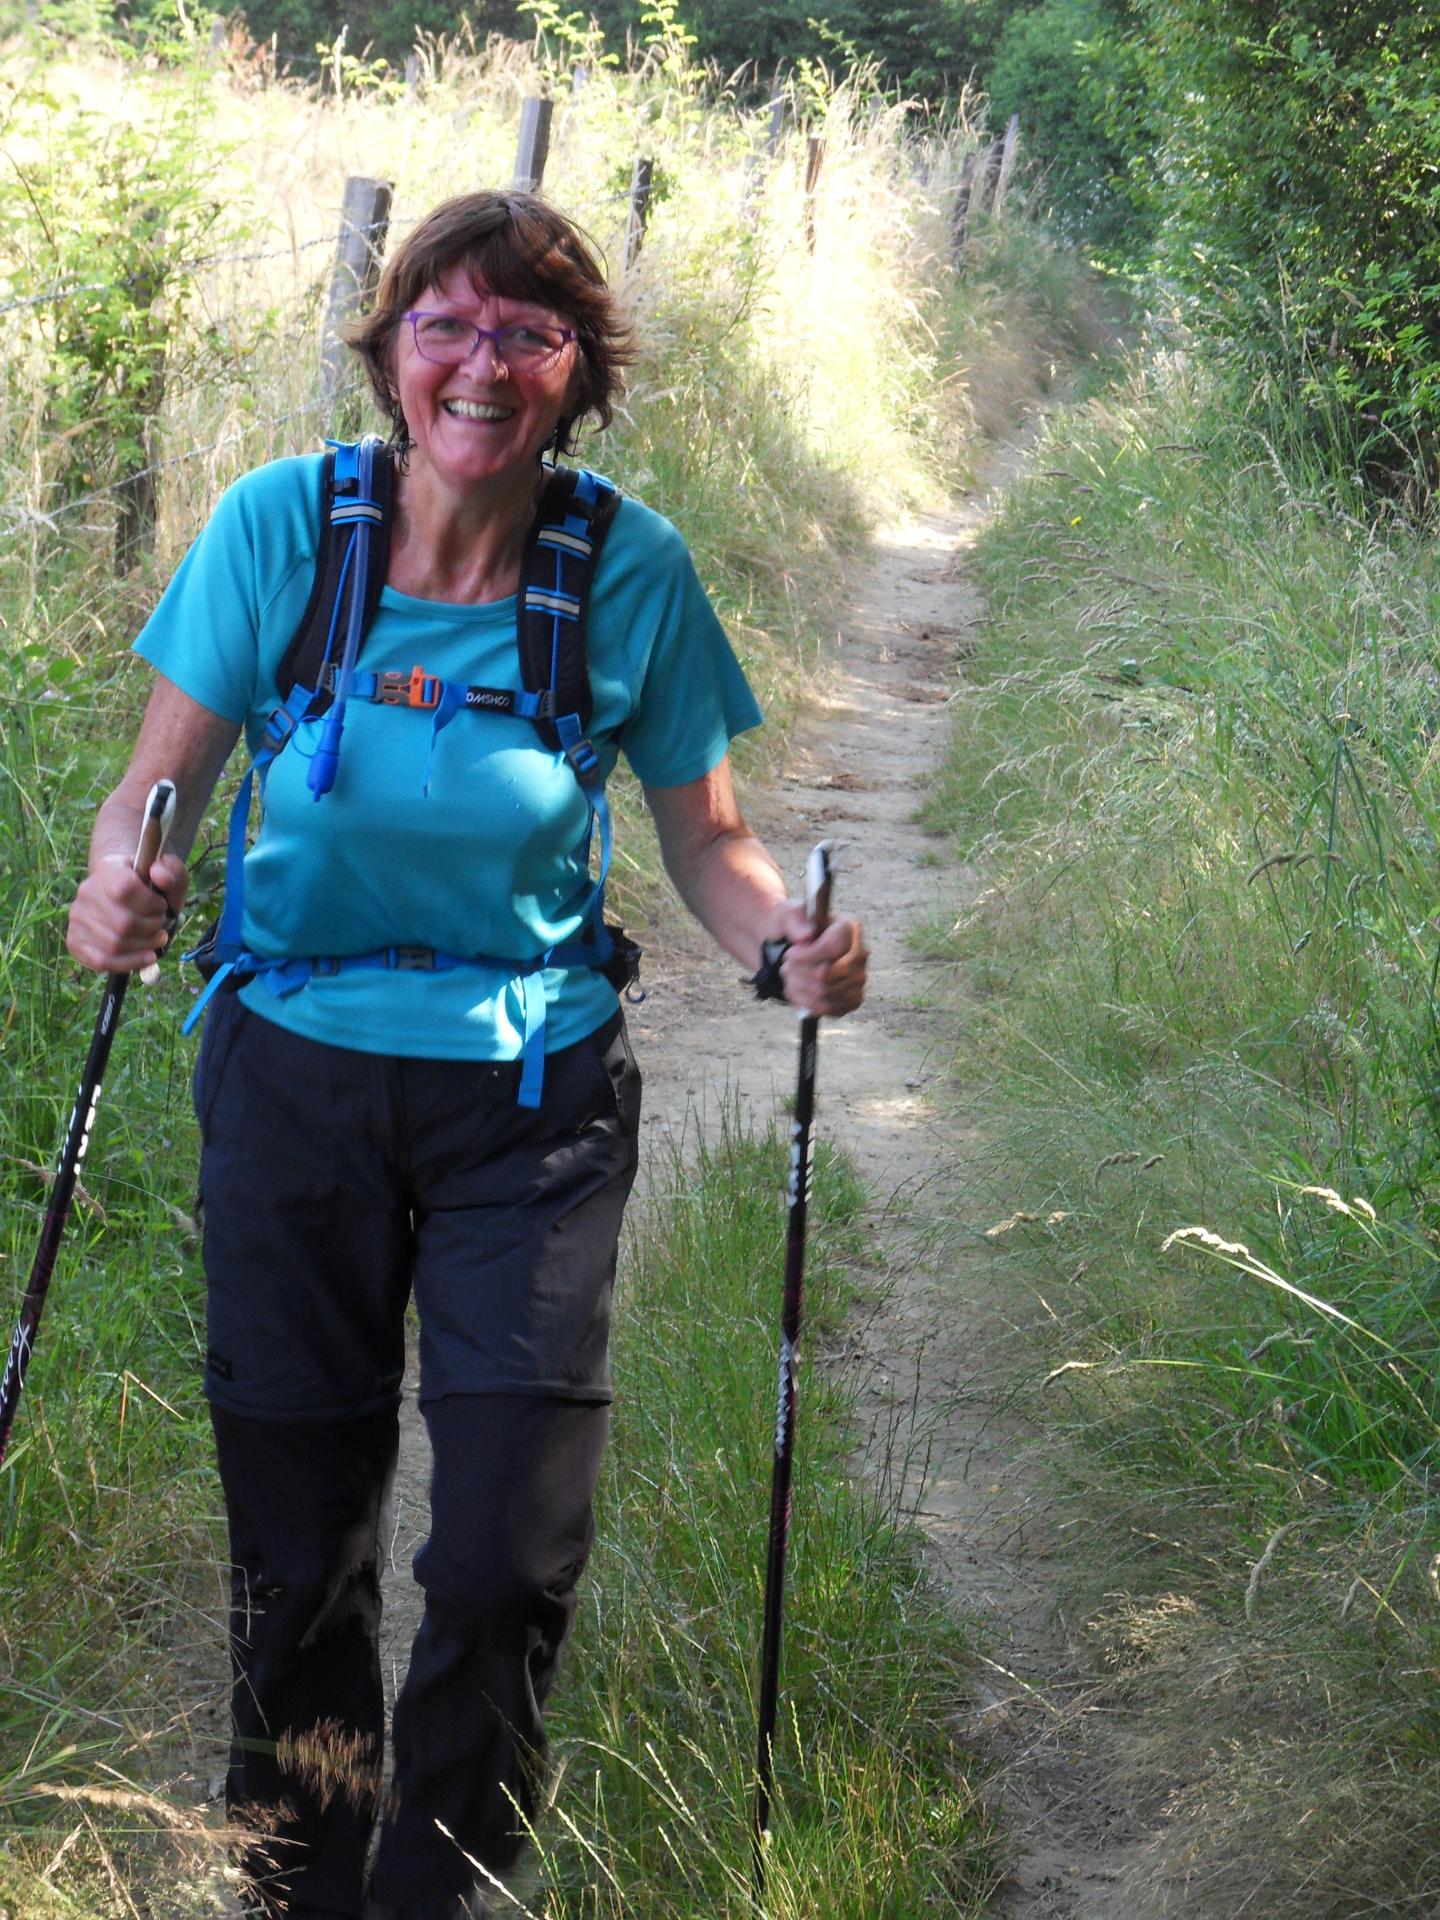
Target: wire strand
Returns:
[21, 515]
[71, 289]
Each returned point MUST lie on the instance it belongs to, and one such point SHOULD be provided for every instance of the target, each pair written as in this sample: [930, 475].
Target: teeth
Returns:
[475, 410]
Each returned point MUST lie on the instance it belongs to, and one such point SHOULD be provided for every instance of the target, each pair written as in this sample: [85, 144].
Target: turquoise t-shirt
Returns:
[473, 842]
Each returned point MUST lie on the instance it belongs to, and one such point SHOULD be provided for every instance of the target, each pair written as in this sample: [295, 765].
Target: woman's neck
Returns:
[464, 548]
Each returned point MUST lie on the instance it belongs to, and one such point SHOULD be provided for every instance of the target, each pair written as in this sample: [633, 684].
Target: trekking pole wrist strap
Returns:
[766, 979]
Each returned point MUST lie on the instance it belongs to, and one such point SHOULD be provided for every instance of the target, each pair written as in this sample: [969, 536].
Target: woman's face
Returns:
[480, 425]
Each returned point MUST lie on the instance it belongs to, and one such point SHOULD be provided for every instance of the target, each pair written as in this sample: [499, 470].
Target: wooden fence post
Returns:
[534, 146]
[960, 220]
[412, 75]
[1007, 163]
[641, 180]
[364, 221]
[814, 159]
[777, 119]
[994, 154]
[750, 196]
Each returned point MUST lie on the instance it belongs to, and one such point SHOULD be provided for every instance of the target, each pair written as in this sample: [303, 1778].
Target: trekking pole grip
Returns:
[154, 832]
[155, 829]
[819, 879]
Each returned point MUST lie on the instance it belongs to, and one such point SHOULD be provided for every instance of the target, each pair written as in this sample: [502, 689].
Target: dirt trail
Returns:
[854, 775]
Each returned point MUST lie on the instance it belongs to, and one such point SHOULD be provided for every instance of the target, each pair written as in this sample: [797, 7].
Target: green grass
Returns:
[106, 1553]
[655, 1721]
[1196, 770]
[783, 404]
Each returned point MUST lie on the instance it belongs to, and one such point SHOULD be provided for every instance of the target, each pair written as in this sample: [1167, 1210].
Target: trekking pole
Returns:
[159, 812]
[817, 906]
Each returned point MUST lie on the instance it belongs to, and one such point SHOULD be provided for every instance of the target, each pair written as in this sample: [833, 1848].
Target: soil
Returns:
[937, 1351]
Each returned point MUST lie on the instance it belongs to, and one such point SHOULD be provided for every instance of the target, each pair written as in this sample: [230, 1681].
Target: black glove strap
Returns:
[767, 982]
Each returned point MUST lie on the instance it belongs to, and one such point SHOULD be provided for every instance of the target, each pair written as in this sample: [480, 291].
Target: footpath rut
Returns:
[856, 770]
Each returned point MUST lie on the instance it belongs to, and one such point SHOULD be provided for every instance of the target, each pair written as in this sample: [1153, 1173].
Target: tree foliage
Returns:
[98, 237]
[1061, 66]
[923, 47]
[1297, 180]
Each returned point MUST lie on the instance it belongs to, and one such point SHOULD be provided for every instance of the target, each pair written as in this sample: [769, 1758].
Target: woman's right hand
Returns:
[117, 922]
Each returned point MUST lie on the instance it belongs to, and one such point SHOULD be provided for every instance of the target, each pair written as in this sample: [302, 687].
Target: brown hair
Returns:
[522, 248]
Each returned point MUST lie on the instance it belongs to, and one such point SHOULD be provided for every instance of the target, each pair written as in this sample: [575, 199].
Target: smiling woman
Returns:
[473, 418]
[479, 409]
[420, 1081]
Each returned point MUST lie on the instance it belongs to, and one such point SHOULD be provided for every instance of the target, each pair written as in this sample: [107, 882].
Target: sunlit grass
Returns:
[785, 402]
[875, 1814]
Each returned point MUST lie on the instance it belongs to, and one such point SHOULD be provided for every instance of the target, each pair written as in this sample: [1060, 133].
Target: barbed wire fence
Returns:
[358, 243]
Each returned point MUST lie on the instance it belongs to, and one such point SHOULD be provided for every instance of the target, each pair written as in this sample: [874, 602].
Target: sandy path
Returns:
[854, 775]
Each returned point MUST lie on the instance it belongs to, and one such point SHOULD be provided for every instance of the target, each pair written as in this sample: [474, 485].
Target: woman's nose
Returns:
[473, 363]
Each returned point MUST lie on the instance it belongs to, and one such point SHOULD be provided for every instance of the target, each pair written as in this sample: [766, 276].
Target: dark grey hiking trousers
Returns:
[335, 1187]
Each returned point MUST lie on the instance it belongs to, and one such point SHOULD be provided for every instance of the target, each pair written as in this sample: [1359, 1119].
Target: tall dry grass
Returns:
[784, 402]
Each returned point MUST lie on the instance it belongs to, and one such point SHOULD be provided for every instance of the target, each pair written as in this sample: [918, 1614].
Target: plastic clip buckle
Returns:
[415, 689]
[278, 729]
[414, 959]
[584, 760]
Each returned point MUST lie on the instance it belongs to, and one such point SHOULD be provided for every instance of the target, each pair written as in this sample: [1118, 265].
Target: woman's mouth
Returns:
[477, 410]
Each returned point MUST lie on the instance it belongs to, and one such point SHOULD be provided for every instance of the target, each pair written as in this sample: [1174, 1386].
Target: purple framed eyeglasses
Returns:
[448, 340]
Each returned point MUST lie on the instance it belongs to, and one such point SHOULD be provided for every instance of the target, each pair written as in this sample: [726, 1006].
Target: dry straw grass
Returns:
[784, 402]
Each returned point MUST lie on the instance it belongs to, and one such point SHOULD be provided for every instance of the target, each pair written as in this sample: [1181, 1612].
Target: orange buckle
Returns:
[415, 689]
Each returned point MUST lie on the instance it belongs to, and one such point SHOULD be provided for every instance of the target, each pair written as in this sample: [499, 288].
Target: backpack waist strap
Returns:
[282, 977]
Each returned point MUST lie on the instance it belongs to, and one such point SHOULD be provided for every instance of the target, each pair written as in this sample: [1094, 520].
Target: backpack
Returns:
[318, 678]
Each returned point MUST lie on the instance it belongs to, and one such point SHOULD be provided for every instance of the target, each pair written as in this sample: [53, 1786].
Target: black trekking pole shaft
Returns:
[159, 811]
[792, 1307]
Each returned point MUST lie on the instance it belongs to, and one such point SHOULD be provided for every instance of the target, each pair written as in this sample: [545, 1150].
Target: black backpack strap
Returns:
[320, 635]
[557, 570]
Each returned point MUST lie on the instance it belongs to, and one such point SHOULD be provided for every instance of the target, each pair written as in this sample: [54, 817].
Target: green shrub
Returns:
[1298, 183]
[1061, 66]
[98, 238]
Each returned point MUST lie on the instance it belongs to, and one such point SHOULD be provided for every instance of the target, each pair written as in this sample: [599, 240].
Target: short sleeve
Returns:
[693, 697]
[257, 547]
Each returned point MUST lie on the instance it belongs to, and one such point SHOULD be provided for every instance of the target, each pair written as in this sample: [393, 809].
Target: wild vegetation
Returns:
[1195, 770]
[1197, 773]
[1290, 162]
[925, 48]
[166, 252]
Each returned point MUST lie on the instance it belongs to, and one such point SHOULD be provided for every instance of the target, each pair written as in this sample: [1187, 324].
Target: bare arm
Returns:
[735, 890]
[117, 922]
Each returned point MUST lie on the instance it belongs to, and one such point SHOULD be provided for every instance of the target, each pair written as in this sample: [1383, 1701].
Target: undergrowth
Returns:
[1197, 770]
[784, 402]
[875, 1815]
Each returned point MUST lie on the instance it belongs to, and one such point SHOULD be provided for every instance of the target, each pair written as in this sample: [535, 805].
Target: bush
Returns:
[1299, 180]
[1061, 66]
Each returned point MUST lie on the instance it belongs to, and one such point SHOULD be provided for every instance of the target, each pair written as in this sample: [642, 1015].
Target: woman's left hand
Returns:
[822, 973]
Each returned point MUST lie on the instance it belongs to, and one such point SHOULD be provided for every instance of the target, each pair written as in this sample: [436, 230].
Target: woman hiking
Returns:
[415, 1081]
